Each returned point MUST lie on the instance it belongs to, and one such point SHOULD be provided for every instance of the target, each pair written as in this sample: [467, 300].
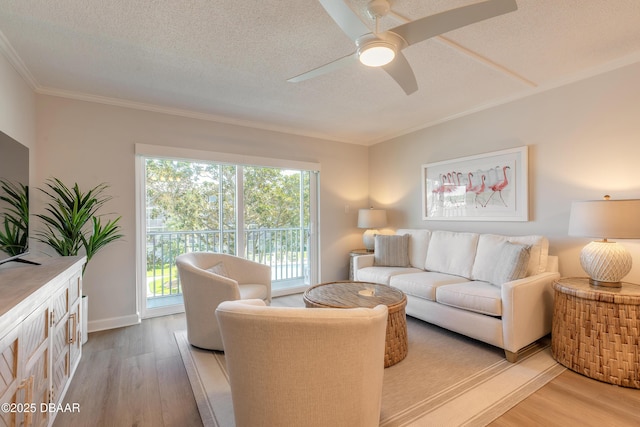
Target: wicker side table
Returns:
[349, 294]
[596, 331]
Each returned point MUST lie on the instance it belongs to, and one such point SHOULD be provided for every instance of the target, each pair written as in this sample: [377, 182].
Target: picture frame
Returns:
[485, 187]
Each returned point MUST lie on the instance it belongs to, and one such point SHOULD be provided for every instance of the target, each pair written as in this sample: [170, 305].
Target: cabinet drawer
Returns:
[8, 367]
[75, 287]
[38, 370]
[75, 334]
[59, 374]
[35, 331]
[60, 305]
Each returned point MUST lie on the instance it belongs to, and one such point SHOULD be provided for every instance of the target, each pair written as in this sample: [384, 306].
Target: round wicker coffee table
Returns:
[596, 330]
[362, 294]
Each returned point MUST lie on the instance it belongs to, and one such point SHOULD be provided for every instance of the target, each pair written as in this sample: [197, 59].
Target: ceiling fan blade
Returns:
[400, 70]
[346, 18]
[323, 69]
[434, 25]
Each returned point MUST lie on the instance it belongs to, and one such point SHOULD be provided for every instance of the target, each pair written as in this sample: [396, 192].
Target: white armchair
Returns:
[304, 366]
[209, 278]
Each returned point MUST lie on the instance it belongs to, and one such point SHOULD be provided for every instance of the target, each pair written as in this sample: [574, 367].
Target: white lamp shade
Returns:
[372, 218]
[605, 219]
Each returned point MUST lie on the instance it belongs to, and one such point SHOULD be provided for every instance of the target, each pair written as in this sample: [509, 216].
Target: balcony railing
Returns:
[283, 249]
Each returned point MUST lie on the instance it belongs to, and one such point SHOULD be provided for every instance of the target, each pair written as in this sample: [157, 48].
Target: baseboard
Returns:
[112, 323]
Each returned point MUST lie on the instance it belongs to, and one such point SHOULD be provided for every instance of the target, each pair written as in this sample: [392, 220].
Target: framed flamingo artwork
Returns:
[485, 187]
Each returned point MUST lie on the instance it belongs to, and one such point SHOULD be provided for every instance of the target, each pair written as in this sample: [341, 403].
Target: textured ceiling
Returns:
[228, 60]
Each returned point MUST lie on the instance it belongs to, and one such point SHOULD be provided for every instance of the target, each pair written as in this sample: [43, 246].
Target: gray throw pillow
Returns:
[511, 263]
[391, 250]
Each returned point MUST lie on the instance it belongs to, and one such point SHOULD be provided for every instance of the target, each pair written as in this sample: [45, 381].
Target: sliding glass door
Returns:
[277, 226]
[263, 213]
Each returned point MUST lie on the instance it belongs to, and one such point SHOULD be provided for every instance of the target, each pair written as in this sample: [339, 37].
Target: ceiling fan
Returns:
[384, 49]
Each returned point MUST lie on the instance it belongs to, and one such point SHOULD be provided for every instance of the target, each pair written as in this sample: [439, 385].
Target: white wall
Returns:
[90, 143]
[17, 107]
[584, 142]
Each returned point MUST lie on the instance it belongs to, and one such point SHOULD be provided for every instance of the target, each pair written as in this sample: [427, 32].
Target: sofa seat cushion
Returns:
[451, 252]
[481, 297]
[423, 285]
[382, 275]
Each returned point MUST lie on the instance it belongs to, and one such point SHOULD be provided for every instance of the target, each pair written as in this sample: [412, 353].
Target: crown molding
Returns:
[119, 102]
[16, 62]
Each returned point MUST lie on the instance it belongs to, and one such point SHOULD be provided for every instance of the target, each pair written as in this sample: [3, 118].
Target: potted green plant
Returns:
[72, 224]
[14, 229]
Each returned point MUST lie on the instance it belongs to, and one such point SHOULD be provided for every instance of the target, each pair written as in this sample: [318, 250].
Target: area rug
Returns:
[446, 380]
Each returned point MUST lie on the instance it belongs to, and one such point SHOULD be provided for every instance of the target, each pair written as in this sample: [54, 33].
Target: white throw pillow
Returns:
[489, 246]
[219, 269]
[511, 264]
[391, 250]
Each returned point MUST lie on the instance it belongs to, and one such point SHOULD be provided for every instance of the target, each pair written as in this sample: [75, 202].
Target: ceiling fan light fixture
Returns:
[377, 53]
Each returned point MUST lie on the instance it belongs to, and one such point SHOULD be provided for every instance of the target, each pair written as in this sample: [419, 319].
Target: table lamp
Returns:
[371, 219]
[604, 261]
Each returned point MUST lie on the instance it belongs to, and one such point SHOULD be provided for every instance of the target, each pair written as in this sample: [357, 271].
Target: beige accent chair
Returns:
[304, 366]
[209, 278]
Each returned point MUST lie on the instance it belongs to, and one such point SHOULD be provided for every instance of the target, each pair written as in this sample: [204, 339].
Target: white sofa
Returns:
[468, 282]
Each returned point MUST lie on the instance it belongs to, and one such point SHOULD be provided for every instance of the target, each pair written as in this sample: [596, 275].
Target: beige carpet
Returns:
[446, 380]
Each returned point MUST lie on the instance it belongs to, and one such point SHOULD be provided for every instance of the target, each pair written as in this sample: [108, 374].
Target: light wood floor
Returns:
[134, 376]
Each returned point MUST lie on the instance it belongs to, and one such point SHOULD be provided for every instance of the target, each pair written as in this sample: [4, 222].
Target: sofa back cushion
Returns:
[452, 252]
[418, 244]
[489, 253]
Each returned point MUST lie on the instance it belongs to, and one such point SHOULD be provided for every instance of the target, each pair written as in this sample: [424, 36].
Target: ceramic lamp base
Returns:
[368, 238]
[606, 263]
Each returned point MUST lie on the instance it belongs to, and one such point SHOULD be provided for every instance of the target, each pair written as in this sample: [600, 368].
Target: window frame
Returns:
[144, 151]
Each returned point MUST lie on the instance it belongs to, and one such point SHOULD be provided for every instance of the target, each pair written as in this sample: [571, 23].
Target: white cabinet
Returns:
[66, 335]
[40, 337]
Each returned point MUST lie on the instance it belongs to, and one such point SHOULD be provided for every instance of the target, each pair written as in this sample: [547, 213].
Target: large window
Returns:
[263, 212]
